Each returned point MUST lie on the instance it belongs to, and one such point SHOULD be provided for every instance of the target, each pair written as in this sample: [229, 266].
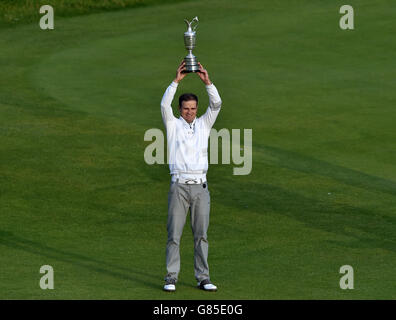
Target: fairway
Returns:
[76, 193]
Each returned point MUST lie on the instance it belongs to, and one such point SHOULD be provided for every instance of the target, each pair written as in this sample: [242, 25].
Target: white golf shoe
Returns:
[170, 285]
[206, 285]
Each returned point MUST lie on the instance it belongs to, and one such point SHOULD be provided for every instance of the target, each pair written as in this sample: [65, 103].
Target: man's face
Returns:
[188, 110]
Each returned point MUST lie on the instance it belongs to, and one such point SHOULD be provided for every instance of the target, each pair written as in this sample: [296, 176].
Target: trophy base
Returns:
[191, 64]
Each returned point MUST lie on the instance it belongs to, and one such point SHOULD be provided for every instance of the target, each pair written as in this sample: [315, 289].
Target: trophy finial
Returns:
[189, 23]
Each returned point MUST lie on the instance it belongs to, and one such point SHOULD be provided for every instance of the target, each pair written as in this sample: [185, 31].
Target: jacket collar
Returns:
[188, 125]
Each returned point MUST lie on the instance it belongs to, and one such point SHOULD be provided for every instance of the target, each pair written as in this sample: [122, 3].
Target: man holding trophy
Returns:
[187, 138]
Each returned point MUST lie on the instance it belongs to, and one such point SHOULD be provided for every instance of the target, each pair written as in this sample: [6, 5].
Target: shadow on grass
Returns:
[368, 229]
[12, 241]
[298, 162]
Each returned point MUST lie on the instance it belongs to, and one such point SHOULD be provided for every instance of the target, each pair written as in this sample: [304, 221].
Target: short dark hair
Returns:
[187, 97]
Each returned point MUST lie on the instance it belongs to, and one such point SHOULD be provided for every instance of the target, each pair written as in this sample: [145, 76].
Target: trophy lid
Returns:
[191, 31]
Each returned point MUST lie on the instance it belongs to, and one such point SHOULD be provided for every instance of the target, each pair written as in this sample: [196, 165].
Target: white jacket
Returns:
[188, 143]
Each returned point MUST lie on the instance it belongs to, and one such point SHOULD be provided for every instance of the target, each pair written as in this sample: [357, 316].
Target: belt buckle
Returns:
[191, 181]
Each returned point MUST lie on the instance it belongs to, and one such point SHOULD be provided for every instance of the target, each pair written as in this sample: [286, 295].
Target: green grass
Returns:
[17, 12]
[76, 193]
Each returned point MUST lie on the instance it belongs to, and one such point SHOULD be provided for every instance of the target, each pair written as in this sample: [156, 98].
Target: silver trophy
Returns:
[189, 41]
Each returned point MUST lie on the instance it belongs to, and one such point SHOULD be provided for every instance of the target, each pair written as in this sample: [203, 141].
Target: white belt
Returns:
[190, 181]
[188, 172]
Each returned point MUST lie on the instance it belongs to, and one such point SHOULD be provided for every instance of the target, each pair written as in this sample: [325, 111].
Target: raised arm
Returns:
[166, 108]
[214, 98]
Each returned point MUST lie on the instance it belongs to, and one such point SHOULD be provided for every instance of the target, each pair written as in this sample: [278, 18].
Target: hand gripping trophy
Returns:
[189, 42]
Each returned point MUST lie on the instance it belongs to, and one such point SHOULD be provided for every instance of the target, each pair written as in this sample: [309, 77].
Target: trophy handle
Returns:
[195, 19]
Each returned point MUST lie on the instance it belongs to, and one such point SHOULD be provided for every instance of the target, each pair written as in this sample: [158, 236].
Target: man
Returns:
[187, 138]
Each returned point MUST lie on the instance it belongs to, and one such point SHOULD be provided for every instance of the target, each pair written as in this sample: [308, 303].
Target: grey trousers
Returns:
[182, 197]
